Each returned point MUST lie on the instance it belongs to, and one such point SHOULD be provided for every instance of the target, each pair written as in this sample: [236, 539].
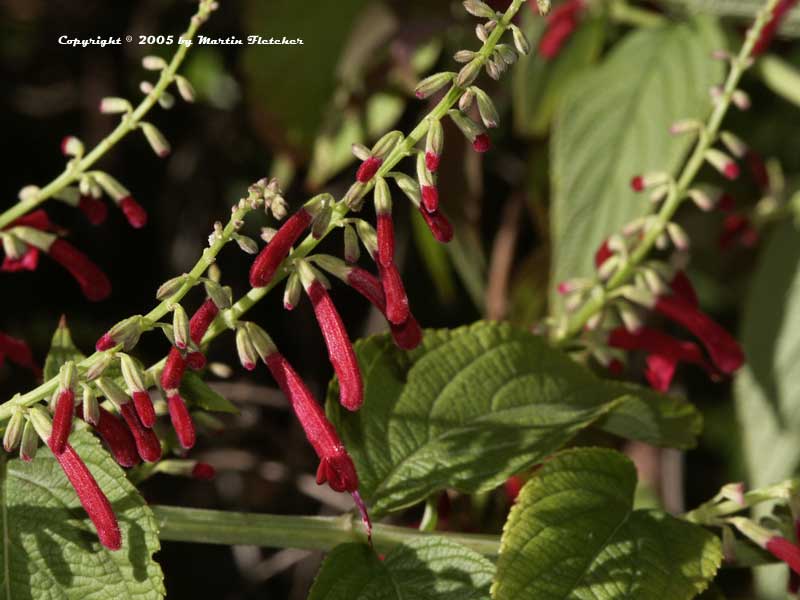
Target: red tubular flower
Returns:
[561, 23]
[335, 465]
[181, 420]
[340, 349]
[37, 219]
[201, 320]
[92, 498]
[368, 169]
[196, 360]
[481, 143]
[722, 348]
[758, 169]
[27, 262]
[105, 342]
[134, 212]
[270, 258]
[117, 437]
[602, 255]
[18, 352]
[407, 335]
[62, 421]
[203, 471]
[144, 408]
[430, 198]
[432, 161]
[440, 227]
[737, 229]
[95, 210]
[147, 444]
[173, 370]
[397, 310]
[682, 287]
[768, 32]
[664, 353]
[385, 239]
[785, 550]
[94, 283]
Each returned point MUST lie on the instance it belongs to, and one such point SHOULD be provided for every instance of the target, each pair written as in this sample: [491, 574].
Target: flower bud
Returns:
[71, 146]
[434, 144]
[126, 333]
[221, 296]
[132, 373]
[181, 421]
[271, 257]
[471, 130]
[734, 144]
[440, 227]
[153, 63]
[520, 41]
[463, 56]
[13, 433]
[468, 73]
[486, 108]
[110, 186]
[261, 341]
[544, 6]
[368, 169]
[90, 406]
[479, 9]
[481, 32]
[30, 442]
[185, 88]
[156, 139]
[408, 186]
[99, 367]
[722, 163]
[180, 327]
[147, 444]
[246, 244]
[369, 237]
[685, 126]
[112, 105]
[352, 250]
[741, 99]
[169, 287]
[360, 151]
[701, 199]
[354, 198]
[321, 221]
[291, 294]
[388, 142]
[506, 53]
[245, 349]
[38, 417]
[432, 84]
[166, 100]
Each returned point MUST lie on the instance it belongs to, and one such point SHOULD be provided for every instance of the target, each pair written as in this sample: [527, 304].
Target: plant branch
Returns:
[75, 169]
[179, 524]
[678, 192]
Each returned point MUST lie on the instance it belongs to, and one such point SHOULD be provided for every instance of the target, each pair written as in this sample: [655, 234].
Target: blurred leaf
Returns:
[206, 70]
[50, 547]
[62, 349]
[474, 405]
[432, 568]
[297, 98]
[766, 391]
[573, 533]
[528, 293]
[434, 257]
[200, 394]
[539, 84]
[614, 124]
[744, 9]
[781, 77]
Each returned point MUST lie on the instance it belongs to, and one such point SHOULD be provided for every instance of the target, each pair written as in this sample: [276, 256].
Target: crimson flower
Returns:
[768, 32]
[95, 210]
[561, 23]
[116, 436]
[368, 168]
[270, 258]
[18, 352]
[785, 551]
[133, 211]
[92, 498]
[335, 465]
[147, 444]
[94, 283]
[181, 420]
[62, 420]
[340, 349]
[737, 229]
[440, 227]
[430, 198]
[432, 161]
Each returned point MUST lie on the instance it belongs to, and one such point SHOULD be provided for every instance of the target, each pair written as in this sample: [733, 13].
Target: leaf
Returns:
[613, 125]
[781, 77]
[431, 568]
[573, 534]
[62, 349]
[200, 394]
[765, 389]
[539, 84]
[474, 405]
[50, 548]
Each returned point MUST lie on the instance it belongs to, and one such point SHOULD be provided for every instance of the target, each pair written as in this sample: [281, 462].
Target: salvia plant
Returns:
[549, 418]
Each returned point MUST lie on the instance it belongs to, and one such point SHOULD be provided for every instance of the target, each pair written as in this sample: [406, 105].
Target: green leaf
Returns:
[539, 84]
[50, 548]
[614, 124]
[431, 568]
[781, 77]
[573, 534]
[474, 405]
[200, 394]
[62, 349]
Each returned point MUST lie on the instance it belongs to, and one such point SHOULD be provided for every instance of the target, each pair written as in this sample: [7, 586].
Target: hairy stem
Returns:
[179, 524]
[75, 169]
[706, 138]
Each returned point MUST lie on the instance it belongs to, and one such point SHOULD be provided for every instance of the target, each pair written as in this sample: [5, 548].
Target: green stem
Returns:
[676, 196]
[76, 169]
[624, 13]
[179, 524]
